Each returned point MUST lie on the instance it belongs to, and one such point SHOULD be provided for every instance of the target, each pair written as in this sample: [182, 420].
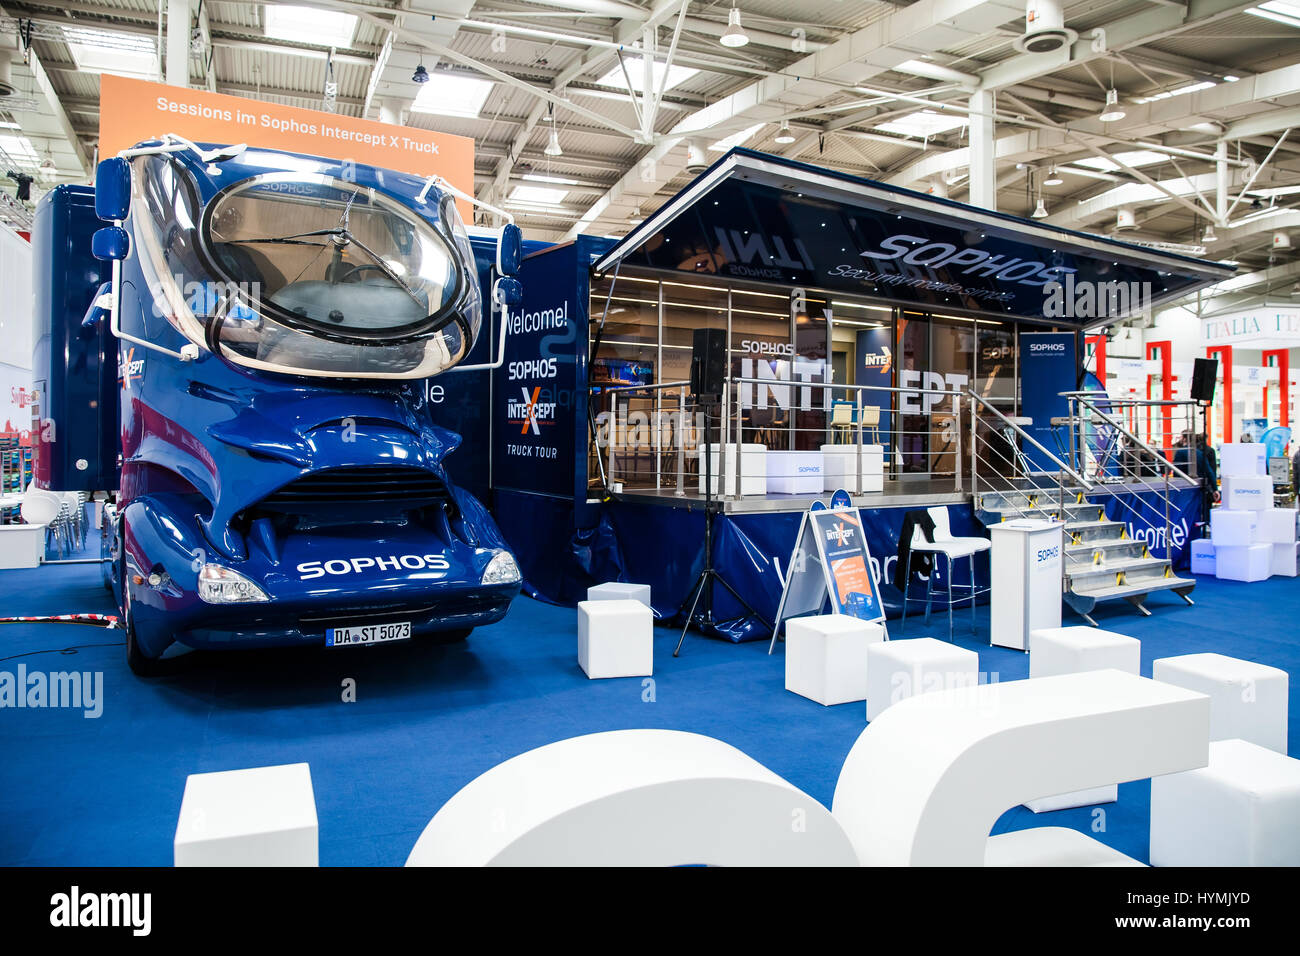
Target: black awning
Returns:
[768, 219]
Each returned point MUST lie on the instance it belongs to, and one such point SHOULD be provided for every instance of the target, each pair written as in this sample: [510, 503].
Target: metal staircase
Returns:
[1102, 562]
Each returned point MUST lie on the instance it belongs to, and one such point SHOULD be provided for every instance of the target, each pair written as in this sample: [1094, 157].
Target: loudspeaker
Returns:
[1204, 374]
[708, 362]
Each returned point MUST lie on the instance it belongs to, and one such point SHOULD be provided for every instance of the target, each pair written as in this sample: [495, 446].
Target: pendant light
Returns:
[1112, 111]
[783, 135]
[1040, 211]
[1053, 178]
[734, 36]
[553, 143]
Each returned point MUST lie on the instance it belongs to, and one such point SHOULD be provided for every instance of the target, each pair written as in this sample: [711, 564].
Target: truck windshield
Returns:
[307, 274]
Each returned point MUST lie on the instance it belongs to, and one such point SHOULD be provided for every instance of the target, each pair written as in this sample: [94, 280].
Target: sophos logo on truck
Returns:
[310, 570]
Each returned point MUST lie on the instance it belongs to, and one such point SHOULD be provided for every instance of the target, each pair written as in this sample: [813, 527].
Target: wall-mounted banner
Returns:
[875, 366]
[536, 388]
[133, 111]
[1048, 366]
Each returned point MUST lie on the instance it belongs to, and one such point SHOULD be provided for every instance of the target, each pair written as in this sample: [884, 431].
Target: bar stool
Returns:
[841, 421]
[950, 547]
[871, 422]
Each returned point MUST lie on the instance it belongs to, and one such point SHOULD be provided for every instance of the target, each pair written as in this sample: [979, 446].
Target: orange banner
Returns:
[133, 111]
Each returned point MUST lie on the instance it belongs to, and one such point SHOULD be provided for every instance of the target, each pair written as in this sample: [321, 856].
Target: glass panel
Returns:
[996, 380]
[913, 352]
[811, 364]
[952, 366]
[761, 348]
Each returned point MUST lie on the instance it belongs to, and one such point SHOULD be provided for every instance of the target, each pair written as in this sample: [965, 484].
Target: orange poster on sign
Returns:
[132, 111]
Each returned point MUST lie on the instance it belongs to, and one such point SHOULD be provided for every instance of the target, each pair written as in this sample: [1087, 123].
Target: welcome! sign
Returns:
[133, 111]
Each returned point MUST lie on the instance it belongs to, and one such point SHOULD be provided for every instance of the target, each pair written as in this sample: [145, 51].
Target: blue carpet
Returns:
[428, 719]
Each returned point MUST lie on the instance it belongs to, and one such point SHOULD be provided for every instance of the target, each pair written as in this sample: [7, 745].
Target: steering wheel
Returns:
[357, 270]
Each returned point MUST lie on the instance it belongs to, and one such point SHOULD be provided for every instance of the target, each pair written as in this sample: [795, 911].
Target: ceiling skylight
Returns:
[1280, 11]
[449, 94]
[636, 70]
[538, 194]
[310, 25]
[122, 54]
[1180, 91]
[20, 151]
[923, 123]
[1135, 158]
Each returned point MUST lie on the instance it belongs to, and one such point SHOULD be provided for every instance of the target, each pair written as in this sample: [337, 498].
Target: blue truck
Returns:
[236, 347]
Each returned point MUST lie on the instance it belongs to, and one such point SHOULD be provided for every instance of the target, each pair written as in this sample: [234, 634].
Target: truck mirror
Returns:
[510, 250]
[508, 292]
[110, 243]
[113, 189]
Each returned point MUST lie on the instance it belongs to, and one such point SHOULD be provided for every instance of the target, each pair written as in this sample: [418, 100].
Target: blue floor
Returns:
[427, 719]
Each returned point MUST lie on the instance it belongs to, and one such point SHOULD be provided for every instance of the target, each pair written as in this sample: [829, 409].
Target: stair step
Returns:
[1133, 569]
[1103, 592]
[1112, 550]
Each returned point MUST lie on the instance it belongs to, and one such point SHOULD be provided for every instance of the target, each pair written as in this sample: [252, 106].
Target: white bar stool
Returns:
[950, 547]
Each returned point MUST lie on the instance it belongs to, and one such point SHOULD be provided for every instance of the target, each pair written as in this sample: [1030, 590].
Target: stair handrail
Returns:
[1087, 399]
[1087, 485]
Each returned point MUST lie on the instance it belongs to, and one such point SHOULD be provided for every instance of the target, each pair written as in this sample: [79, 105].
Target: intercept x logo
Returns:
[530, 411]
[839, 534]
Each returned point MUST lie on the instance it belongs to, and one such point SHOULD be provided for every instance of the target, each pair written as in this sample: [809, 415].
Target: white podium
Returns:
[1027, 556]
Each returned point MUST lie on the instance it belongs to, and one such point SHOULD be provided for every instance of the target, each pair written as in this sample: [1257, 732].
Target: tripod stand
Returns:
[703, 586]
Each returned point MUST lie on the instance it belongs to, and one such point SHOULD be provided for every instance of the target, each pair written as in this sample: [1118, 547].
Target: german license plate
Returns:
[367, 634]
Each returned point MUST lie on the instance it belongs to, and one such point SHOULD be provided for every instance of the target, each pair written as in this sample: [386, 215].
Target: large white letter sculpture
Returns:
[632, 798]
[928, 778]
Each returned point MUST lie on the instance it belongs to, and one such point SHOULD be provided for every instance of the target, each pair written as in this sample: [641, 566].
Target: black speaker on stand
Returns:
[1205, 372]
[708, 373]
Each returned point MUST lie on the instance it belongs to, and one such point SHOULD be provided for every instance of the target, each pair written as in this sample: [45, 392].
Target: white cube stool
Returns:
[897, 670]
[620, 591]
[1284, 564]
[1071, 650]
[1247, 700]
[264, 816]
[615, 639]
[826, 657]
[1251, 562]
[1241, 810]
[1203, 556]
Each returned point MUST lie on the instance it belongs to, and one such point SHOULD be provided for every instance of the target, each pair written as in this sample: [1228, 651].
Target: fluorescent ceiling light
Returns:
[1135, 158]
[923, 123]
[1181, 91]
[539, 178]
[5, 124]
[19, 149]
[614, 79]
[310, 25]
[1272, 191]
[102, 51]
[735, 139]
[538, 194]
[448, 94]
[1279, 11]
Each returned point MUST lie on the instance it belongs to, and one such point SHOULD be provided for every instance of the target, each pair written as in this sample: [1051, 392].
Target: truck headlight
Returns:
[501, 570]
[221, 585]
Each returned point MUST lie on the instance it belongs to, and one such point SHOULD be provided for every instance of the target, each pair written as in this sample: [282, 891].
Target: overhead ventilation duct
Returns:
[1045, 29]
[1281, 240]
[6, 75]
[1125, 218]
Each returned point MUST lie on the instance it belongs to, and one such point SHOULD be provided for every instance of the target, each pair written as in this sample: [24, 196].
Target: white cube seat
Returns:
[826, 657]
[1233, 528]
[1251, 562]
[1277, 526]
[620, 591]
[615, 639]
[753, 469]
[1243, 809]
[794, 472]
[1247, 700]
[840, 470]
[897, 670]
[1242, 458]
[263, 816]
[1284, 560]
[21, 546]
[1203, 556]
[1248, 492]
[1072, 650]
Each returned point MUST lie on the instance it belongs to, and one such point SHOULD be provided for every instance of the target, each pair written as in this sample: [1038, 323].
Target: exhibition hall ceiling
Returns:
[877, 89]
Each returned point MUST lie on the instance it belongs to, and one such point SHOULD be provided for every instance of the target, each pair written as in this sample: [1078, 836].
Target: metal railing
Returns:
[647, 437]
